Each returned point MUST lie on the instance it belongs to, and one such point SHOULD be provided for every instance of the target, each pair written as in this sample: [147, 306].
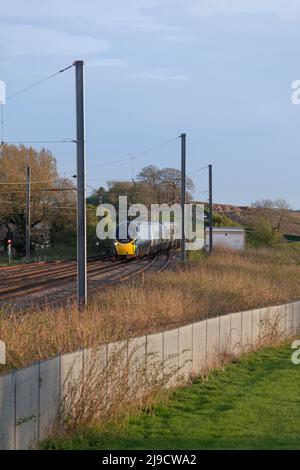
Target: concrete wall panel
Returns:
[225, 334]
[199, 346]
[95, 359]
[296, 313]
[117, 355]
[95, 370]
[289, 319]
[256, 326]
[7, 412]
[266, 324]
[155, 355]
[137, 360]
[213, 340]
[117, 370]
[27, 410]
[137, 350]
[236, 333]
[246, 330]
[278, 314]
[171, 355]
[49, 395]
[281, 311]
[185, 350]
[70, 371]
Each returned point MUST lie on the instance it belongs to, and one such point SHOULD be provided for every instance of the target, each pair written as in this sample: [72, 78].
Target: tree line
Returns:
[53, 198]
[52, 210]
[151, 186]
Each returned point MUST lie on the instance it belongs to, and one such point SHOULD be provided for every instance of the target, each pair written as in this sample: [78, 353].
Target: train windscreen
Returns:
[125, 232]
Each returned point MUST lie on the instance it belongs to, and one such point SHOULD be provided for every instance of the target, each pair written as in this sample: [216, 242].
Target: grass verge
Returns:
[210, 286]
[250, 404]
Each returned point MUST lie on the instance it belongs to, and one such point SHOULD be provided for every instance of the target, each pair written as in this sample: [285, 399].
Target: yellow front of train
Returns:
[127, 248]
[126, 240]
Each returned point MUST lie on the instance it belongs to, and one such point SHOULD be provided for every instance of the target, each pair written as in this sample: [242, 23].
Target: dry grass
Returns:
[105, 394]
[210, 286]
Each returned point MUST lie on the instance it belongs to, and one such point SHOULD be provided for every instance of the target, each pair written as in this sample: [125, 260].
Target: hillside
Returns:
[288, 221]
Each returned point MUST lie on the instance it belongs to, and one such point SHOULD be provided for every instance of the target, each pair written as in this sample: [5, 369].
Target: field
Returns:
[208, 286]
[250, 404]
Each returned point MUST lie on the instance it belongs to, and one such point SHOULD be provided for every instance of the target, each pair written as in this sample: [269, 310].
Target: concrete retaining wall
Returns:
[30, 397]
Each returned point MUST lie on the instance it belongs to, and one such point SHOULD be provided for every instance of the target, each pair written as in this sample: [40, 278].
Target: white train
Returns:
[137, 239]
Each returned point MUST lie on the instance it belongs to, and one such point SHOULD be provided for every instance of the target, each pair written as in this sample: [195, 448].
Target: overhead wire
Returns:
[40, 207]
[38, 190]
[197, 169]
[144, 152]
[28, 88]
[66, 140]
[38, 82]
[20, 142]
[14, 95]
[31, 182]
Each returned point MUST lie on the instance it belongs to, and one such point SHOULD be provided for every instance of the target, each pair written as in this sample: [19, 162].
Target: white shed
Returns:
[229, 237]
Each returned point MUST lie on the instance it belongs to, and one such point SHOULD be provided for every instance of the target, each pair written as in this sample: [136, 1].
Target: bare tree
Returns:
[263, 204]
[149, 174]
[282, 204]
[271, 204]
[165, 183]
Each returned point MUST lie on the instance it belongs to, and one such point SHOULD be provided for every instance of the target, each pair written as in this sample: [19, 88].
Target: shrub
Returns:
[263, 233]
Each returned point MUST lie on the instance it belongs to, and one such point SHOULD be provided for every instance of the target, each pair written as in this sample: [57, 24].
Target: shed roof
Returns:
[227, 229]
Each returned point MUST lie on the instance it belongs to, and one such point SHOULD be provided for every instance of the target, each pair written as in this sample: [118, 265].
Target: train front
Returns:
[125, 243]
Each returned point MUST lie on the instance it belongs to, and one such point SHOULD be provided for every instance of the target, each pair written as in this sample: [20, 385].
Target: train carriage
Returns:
[138, 239]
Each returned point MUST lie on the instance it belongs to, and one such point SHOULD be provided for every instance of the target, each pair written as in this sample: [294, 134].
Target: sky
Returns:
[218, 70]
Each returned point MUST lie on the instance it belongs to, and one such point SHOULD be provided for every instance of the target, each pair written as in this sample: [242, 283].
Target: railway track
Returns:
[41, 264]
[33, 281]
[45, 286]
[13, 272]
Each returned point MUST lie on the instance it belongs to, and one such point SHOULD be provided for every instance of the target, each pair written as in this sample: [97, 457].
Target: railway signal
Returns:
[9, 249]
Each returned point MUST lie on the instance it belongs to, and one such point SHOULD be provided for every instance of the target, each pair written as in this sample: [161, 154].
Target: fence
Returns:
[30, 397]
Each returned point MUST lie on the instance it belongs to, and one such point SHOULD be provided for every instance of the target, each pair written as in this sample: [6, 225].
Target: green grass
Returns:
[251, 404]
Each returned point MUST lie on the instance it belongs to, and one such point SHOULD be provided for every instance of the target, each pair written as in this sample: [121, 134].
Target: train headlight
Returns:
[116, 243]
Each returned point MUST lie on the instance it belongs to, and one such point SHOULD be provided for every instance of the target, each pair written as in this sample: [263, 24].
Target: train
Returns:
[138, 239]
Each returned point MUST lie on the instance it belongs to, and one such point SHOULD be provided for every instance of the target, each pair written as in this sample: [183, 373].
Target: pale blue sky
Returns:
[219, 70]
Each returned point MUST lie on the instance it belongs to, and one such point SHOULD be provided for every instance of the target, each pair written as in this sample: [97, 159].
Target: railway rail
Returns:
[31, 287]
[34, 280]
